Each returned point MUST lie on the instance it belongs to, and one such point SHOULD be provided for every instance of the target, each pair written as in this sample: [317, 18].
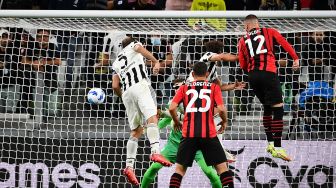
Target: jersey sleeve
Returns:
[133, 44]
[283, 42]
[206, 57]
[218, 95]
[179, 95]
[242, 55]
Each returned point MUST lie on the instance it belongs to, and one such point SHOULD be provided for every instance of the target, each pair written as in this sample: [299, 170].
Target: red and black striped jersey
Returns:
[199, 99]
[256, 49]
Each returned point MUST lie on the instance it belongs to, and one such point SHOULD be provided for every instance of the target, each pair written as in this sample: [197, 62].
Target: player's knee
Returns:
[152, 119]
[278, 105]
[180, 169]
[136, 133]
[220, 168]
[278, 113]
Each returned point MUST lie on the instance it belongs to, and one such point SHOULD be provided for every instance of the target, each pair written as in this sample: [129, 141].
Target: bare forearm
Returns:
[227, 87]
[118, 91]
[173, 114]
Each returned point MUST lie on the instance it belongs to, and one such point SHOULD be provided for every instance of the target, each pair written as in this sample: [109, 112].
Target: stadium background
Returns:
[82, 145]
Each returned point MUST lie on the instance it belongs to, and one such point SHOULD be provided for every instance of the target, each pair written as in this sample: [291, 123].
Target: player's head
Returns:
[318, 36]
[43, 36]
[126, 41]
[214, 46]
[200, 69]
[251, 22]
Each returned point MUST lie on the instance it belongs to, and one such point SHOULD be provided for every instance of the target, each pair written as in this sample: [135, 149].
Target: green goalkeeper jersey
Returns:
[166, 119]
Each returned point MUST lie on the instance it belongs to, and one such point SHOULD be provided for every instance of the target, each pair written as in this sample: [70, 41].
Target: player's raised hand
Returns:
[240, 85]
[222, 129]
[156, 68]
[296, 65]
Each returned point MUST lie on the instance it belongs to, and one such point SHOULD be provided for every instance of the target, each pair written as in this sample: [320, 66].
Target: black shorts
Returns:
[266, 85]
[211, 148]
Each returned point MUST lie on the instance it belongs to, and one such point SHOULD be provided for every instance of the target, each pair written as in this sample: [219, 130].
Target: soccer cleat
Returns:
[230, 158]
[130, 175]
[281, 153]
[160, 159]
[270, 148]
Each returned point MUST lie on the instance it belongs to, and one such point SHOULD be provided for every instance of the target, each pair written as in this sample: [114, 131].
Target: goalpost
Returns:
[52, 137]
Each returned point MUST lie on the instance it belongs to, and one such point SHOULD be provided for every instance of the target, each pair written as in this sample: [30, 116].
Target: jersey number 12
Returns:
[261, 43]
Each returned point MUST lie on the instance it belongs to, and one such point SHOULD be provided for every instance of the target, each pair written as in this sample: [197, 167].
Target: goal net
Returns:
[52, 137]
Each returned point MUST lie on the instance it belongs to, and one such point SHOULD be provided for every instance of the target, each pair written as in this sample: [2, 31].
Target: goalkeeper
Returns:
[170, 152]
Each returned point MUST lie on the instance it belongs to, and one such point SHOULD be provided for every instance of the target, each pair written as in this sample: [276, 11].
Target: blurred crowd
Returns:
[169, 4]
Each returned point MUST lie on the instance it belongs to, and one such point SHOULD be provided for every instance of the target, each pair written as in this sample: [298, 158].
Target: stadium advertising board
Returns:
[314, 165]
[66, 163]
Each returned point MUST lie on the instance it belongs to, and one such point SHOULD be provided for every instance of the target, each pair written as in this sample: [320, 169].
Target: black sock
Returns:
[175, 181]
[277, 125]
[227, 179]
[267, 122]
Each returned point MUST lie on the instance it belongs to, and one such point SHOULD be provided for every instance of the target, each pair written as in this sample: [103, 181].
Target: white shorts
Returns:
[140, 103]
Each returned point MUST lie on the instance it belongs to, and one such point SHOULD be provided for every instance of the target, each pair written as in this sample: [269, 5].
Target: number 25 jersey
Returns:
[199, 99]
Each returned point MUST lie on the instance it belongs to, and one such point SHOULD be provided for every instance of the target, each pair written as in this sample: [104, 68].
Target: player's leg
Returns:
[134, 119]
[208, 170]
[185, 157]
[214, 156]
[169, 152]
[273, 97]
[147, 105]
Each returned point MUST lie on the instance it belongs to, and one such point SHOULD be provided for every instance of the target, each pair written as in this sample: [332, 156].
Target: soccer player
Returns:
[199, 131]
[136, 93]
[170, 149]
[256, 56]
[214, 53]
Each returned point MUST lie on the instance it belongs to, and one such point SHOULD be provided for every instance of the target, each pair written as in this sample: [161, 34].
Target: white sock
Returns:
[131, 151]
[153, 137]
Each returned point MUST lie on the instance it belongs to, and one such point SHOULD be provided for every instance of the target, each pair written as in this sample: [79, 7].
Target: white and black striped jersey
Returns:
[112, 44]
[130, 66]
[212, 68]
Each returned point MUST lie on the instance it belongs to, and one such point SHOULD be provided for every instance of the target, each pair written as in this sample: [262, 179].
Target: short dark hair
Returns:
[214, 46]
[200, 69]
[251, 17]
[39, 30]
[126, 41]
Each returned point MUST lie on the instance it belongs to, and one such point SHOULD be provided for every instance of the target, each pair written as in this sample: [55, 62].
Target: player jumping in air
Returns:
[170, 150]
[256, 56]
[136, 93]
[198, 130]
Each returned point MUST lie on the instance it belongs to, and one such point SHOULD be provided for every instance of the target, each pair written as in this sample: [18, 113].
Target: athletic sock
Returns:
[153, 137]
[227, 179]
[175, 181]
[267, 121]
[131, 151]
[277, 125]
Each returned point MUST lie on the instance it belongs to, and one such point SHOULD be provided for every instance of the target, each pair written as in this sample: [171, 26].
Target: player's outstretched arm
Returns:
[116, 85]
[222, 111]
[224, 57]
[236, 85]
[147, 54]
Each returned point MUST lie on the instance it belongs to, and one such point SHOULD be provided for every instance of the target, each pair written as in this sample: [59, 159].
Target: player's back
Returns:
[130, 66]
[259, 45]
[199, 99]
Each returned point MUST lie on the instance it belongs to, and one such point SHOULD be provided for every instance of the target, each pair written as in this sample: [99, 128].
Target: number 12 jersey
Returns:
[256, 49]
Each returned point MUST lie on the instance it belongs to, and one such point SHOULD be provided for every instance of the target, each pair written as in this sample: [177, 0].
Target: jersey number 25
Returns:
[201, 95]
